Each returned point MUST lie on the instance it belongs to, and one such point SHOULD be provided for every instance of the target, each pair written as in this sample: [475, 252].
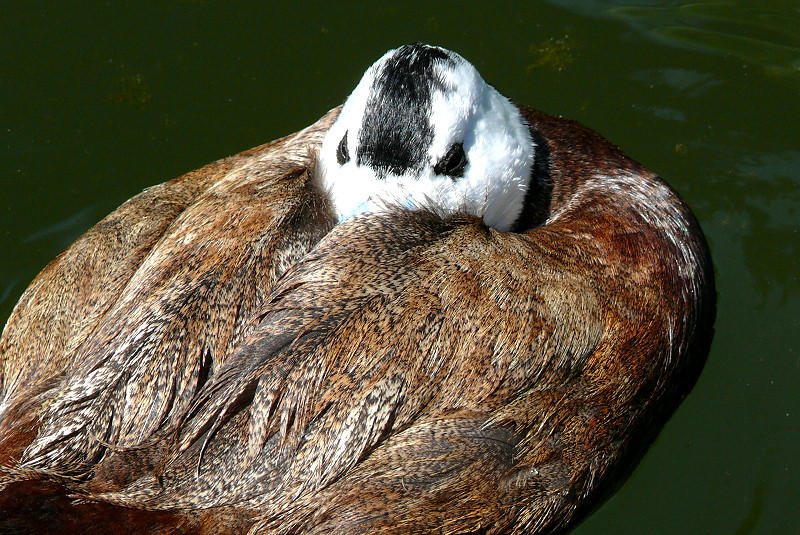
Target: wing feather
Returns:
[190, 300]
[392, 321]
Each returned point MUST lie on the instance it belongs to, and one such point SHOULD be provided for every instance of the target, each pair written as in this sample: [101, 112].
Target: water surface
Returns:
[100, 102]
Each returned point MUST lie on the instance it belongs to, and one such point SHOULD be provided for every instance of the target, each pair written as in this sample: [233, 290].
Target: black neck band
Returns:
[536, 206]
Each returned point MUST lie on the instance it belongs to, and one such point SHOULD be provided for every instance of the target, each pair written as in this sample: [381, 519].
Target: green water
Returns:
[99, 100]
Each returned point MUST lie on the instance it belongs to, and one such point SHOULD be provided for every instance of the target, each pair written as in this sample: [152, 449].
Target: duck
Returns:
[431, 311]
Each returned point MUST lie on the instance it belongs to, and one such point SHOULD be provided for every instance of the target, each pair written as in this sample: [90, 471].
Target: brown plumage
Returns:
[217, 356]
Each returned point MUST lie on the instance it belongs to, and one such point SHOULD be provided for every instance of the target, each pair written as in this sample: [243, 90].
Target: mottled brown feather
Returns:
[404, 372]
[172, 274]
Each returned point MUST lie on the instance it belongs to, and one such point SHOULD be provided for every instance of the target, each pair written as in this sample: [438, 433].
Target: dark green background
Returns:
[99, 100]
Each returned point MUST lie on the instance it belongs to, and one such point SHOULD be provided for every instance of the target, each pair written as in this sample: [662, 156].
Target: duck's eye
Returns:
[453, 163]
[341, 151]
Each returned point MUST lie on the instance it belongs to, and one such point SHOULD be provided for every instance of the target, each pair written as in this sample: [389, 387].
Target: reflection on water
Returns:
[766, 222]
[7, 289]
[65, 231]
[54, 238]
[763, 35]
[691, 83]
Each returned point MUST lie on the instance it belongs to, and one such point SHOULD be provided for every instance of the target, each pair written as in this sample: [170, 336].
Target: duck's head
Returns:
[423, 129]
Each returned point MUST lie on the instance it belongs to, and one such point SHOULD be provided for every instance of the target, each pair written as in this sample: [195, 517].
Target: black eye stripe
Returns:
[453, 163]
[342, 156]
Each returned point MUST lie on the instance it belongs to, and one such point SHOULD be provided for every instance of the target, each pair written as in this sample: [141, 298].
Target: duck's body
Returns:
[225, 357]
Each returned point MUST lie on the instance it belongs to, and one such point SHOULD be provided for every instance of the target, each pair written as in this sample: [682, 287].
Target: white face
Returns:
[422, 129]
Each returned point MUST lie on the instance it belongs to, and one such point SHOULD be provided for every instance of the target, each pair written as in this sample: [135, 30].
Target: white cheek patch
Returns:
[502, 157]
[453, 110]
[352, 189]
[497, 143]
[348, 122]
[357, 189]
